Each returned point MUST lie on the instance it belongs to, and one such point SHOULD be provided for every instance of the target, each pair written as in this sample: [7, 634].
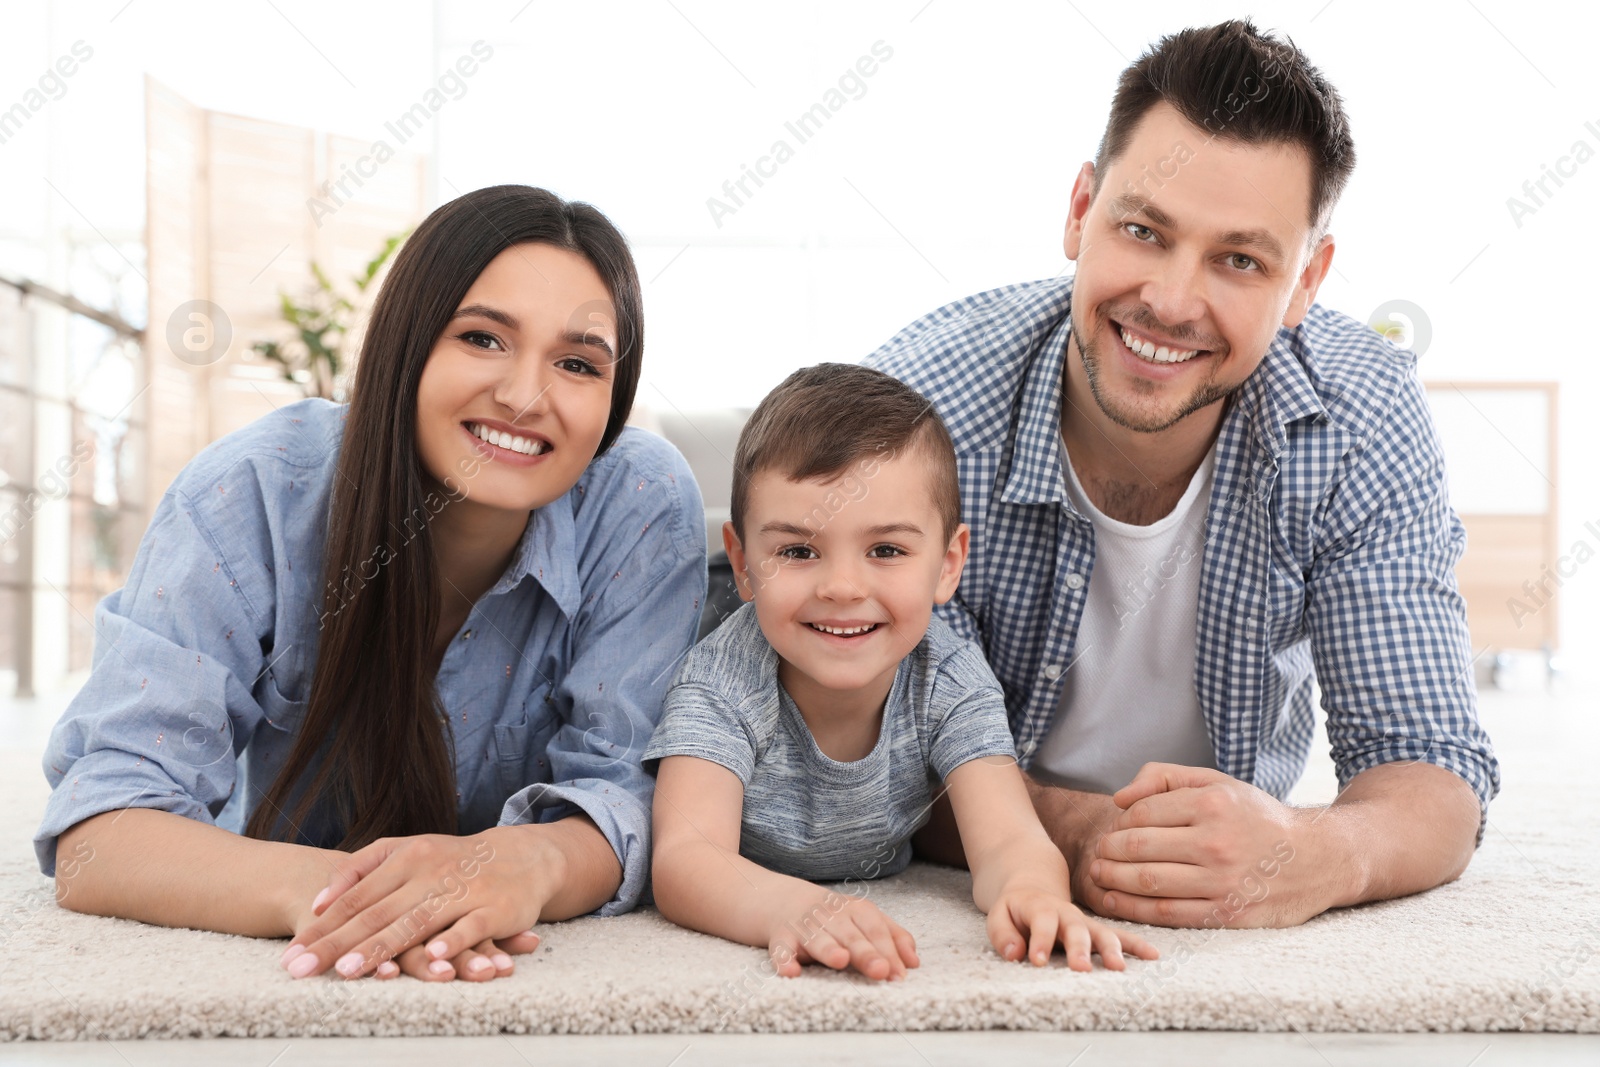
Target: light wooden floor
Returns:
[844, 1050]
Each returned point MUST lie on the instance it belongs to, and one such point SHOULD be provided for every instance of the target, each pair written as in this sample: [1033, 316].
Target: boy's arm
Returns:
[701, 882]
[999, 831]
[1020, 878]
[1005, 844]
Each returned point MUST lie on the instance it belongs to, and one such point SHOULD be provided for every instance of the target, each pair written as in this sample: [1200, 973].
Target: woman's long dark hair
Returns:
[388, 769]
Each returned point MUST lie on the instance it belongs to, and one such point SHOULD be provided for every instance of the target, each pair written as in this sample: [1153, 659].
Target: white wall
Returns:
[950, 174]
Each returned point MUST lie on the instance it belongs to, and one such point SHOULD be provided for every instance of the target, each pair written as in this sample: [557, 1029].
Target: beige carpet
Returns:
[1510, 946]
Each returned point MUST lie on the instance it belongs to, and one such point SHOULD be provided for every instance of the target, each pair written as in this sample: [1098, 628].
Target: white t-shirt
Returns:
[1128, 698]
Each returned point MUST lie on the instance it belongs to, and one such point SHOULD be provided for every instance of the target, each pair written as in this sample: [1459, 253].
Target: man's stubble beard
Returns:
[1206, 394]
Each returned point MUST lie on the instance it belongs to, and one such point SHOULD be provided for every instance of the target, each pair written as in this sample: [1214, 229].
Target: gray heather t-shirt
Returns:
[807, 815]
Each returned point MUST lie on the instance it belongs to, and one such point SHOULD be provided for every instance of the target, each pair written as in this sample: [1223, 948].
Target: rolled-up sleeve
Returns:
[1388, 625]
[167, 705]
[643, 588]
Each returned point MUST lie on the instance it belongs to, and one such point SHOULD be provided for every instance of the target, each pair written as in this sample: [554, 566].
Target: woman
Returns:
[413, 649]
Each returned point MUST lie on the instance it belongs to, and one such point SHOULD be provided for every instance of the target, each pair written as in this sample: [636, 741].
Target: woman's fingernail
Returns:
[349, 964]
[439, 967]
[479, 964]
[388, 969]
[438, 949]
[315, 904]
[501, 960]
[302, 965]
[290, 953]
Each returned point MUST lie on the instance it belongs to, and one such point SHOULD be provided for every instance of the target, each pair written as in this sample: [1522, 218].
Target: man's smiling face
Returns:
[1189, 258]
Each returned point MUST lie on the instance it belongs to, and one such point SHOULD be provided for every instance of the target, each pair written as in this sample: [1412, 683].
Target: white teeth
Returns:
[840, 632]
[1155, 354]
[506, 441]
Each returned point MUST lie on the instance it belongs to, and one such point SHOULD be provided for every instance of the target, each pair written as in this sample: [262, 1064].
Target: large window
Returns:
[72, 441]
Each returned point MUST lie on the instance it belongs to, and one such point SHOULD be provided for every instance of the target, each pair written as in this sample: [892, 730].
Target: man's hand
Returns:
[1195, 847]
[1190, 846]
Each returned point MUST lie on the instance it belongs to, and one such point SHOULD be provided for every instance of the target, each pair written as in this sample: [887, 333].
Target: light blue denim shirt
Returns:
[203, 660]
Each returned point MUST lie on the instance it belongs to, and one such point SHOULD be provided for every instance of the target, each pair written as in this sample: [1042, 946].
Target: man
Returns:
[1188, 487]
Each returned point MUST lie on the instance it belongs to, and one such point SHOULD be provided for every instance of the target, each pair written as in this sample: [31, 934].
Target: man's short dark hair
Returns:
[1239, 85]
[824, 419]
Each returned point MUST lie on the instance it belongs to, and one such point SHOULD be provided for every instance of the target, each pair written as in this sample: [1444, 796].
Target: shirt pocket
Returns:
[514, 740]
[279, 712]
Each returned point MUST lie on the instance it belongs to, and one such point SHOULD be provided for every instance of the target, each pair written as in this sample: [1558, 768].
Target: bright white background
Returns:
[950, 174]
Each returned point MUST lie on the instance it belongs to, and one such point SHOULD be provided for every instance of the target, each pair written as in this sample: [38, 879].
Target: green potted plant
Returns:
[315, 358]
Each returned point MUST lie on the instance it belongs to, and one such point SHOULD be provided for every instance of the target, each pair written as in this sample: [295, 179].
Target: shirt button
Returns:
[1053, 671]
[466, 634]
[1074, 581]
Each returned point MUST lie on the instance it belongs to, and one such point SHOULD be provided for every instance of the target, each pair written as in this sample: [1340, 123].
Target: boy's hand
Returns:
[839, 931]
[1040, 919]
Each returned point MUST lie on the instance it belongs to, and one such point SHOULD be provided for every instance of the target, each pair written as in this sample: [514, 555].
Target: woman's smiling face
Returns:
[516, 394]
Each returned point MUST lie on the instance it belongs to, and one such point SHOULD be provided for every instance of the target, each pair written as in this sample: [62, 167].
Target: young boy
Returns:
[802, 740]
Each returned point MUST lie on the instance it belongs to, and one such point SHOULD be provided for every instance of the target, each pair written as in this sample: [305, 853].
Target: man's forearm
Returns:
[1396, 829]
[1072, 818]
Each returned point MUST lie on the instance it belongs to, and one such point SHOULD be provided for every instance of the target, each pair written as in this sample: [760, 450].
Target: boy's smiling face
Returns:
[844, 572]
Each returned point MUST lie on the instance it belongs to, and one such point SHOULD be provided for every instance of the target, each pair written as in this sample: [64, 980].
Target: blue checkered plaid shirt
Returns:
[1330, 542]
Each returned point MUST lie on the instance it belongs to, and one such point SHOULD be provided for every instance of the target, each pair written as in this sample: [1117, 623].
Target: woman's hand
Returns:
[1029, 921]
[485, 960]
[433, 906]
[415, 961]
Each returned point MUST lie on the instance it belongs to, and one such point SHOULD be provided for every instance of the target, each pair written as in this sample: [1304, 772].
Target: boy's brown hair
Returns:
[822, 420]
